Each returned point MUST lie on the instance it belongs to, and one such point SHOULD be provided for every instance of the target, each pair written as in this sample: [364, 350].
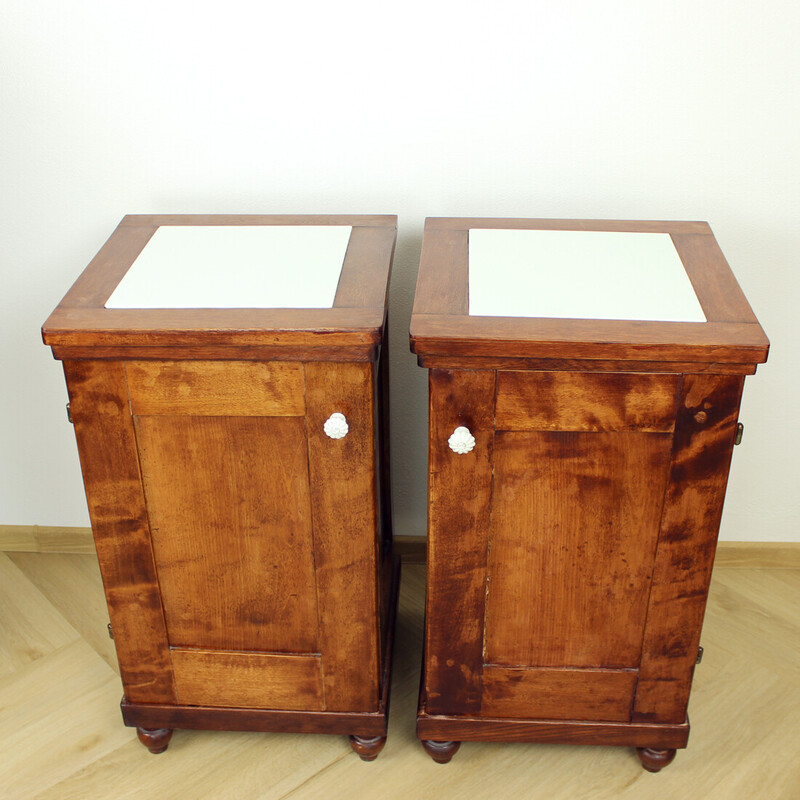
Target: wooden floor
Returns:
[61, 734]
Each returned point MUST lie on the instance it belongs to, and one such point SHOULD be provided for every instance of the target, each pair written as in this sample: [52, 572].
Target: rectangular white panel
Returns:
[579, 275]
[236, 266]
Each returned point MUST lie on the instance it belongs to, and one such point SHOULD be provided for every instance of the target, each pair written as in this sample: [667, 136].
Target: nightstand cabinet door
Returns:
[236, 538]
[571, 547]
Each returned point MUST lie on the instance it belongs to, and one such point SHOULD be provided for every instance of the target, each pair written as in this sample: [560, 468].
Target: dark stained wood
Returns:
[655, 760]
[443, 278]
[575, 520]
[484, 729]
[716, 287]
[346, 530]
[587, 694]
[459, 490]
[216, 388]
[190, 327]
[364, 281]
[607, 471]
[230, 514]
[156, 741]
[219, 353]
[107, 447]
[442, 334]
[209, 718]
[247, 680]
[621, 225]
[686, 544]
[367, 748]
[573, 401]
[440, 752]
[578, 365]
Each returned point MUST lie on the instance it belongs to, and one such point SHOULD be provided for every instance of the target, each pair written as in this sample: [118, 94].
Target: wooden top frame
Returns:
[444, 335]
[81, 326]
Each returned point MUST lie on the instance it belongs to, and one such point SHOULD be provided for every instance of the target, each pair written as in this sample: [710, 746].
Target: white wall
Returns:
[627, 109]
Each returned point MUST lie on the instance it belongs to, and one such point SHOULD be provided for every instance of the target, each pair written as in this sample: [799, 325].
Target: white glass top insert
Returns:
[579, 275]
[236, 266]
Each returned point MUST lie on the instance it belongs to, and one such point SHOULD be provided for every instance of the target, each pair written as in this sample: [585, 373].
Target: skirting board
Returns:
[44, 539]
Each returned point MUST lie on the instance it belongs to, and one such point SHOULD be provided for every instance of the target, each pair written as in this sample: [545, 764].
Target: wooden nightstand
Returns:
[585, 380]
[228, 385]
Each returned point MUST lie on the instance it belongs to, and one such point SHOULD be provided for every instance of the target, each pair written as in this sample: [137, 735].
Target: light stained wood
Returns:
[585, 694]
[229, 508]
[758, 555]
[247, 680]
[570, 401]
[68, 699]
[345, 533]
[109, 460]
[45, 539]
[577, 515]
[745, 704]
[61, 578]
[30, 627]
[216, 388]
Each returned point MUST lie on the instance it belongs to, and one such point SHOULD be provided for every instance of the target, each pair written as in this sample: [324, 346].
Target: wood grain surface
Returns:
[345, 520]
[575, 519]
[216, 388]
[247, 680]
[459, 493]
[107, 448]
[572, 401]
[704, 432]
[585, 694]
[230, 514]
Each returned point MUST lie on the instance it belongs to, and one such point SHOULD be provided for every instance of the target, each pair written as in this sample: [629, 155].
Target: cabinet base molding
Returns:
[641, 735]
[366, 729]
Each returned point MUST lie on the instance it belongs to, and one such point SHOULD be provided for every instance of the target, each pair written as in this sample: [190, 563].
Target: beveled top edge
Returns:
[525, 223]
[355, 220]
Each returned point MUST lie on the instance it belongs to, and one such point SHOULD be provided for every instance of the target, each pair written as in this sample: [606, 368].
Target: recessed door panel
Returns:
[575, 520]
[230, 519]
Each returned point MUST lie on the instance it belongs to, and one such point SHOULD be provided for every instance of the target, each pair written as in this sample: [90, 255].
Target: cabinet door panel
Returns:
[228, 501]
[248, 680]
[594, 694]
[575, 519]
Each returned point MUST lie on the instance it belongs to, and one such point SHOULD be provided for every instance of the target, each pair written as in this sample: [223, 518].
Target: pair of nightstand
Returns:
[228, 383]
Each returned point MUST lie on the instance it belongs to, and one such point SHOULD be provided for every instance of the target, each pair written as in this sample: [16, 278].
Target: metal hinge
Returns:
[69, 413]
[739, 434]
[699, 655]
[110, 631]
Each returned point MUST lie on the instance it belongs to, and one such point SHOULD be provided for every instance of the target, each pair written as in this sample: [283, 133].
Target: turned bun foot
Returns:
[367, 749]
[156, 741]
[654, 760]
[440, 752]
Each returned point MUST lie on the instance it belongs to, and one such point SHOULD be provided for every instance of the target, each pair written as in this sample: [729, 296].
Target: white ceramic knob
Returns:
[461, 440]
[336, 426]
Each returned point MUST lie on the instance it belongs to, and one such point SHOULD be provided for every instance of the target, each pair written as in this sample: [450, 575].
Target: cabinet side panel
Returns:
[459, 496]
[575, 519]
[344, 514]
[704, 434]
[107, 447]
